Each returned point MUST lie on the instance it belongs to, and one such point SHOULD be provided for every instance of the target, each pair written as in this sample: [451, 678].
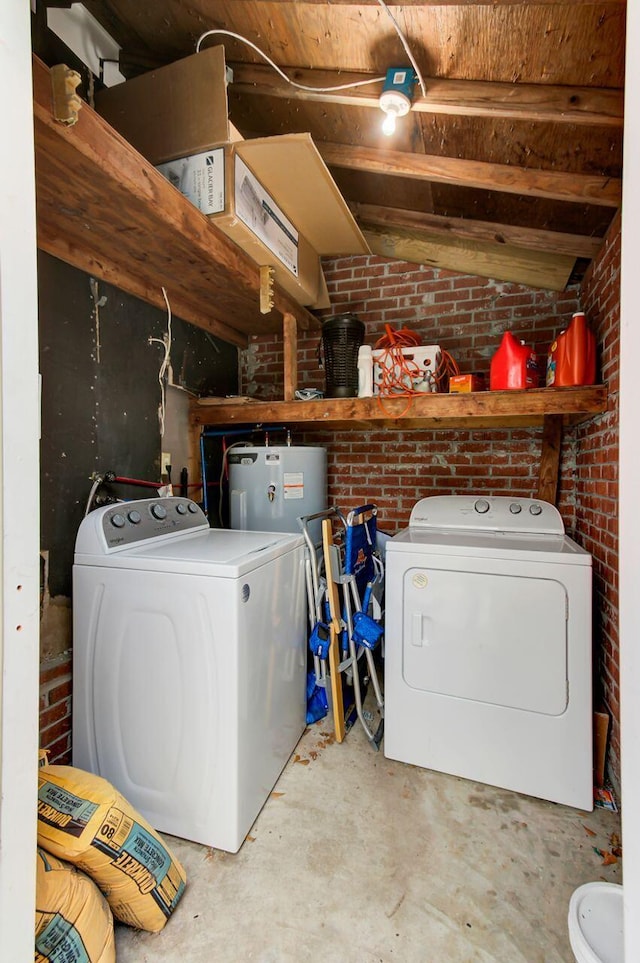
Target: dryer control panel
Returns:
[113, 527]
[487, 514]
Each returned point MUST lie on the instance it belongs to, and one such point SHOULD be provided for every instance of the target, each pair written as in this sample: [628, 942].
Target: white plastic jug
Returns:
[365, 371]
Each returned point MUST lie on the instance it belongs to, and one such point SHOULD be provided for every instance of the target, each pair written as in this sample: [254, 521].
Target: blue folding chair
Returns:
[363, 571]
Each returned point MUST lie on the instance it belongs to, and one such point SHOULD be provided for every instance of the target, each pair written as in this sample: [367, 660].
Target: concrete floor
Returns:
[358, 859]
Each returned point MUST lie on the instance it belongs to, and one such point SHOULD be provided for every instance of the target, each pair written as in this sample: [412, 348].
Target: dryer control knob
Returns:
[159, 511]
[535, 509]
[134, 517]
[193, 508]
[482, 506]
[118, 521]
[181, 508]
[515, 508]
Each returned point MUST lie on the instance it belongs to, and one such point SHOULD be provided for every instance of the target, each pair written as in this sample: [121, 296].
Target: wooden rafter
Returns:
[468, 3]
[537, 269]
[540, 103]
[530, 239]
[558, 185]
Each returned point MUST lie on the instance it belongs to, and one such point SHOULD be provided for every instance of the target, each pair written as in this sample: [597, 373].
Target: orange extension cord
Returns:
[398, 373]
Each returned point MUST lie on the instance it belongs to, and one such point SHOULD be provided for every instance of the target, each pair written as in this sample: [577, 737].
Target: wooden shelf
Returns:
[105, 209]
[483, 409]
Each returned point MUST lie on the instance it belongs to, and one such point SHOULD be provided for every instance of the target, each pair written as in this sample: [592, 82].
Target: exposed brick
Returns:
[50, 734]
[54, 714]
[55, 704]
[60, 750]
[596, 481]
[54, 670]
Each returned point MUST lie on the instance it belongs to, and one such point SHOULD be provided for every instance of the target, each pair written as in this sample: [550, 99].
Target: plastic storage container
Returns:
[365, 371]
[514, 365]
[572, 356]
[342, 336]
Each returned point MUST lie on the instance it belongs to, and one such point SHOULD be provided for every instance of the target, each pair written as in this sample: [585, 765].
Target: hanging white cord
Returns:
[321, 90]
[406, 47]
[324, 90]
[166, 343]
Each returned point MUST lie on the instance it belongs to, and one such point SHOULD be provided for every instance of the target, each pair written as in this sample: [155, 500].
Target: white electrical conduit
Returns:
[322, 90]
[294, 83]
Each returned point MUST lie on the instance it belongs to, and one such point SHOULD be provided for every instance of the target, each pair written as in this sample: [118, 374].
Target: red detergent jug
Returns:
[514, 365]
[572, 356]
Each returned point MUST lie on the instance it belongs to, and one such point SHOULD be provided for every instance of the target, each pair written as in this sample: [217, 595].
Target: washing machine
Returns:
[189, 664]
[488, 646]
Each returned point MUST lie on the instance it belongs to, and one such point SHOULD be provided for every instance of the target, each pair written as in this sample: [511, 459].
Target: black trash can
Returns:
[342, 336]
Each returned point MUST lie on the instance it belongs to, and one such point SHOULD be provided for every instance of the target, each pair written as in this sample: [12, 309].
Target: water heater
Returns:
[271, 487]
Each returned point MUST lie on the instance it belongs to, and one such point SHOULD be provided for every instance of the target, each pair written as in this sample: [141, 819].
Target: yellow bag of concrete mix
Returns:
[83, 819]
[73, 920]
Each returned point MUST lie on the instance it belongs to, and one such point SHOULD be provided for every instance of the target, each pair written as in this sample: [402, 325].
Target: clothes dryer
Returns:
[488, 646]
[189, 664]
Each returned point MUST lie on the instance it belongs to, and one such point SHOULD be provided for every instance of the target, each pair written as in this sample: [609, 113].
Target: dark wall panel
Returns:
[101, 394]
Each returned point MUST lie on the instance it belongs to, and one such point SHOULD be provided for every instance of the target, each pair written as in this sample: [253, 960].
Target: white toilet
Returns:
[595, 923]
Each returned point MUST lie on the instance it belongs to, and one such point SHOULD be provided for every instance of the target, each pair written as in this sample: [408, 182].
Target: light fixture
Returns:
[395, 99]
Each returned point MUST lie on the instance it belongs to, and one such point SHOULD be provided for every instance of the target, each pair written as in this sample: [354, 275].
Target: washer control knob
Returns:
[515, 508]
[181, 508]
[535, 509]
[118, 521]
[193, 508]
[134, 517]
[159, 511]
[482, 506]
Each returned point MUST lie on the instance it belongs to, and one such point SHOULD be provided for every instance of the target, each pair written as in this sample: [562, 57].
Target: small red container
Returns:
[572, 356]
[514, 365]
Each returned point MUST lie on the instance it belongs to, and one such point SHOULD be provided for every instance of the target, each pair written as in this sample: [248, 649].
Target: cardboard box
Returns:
[466, 382]
[177, 113]
[221, 185]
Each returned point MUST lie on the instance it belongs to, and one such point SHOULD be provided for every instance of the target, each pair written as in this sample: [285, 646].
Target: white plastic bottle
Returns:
[365, 371]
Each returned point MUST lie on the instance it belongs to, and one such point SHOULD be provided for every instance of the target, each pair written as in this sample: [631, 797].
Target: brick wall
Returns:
[596, 493]
[465, 315]
[55, 708]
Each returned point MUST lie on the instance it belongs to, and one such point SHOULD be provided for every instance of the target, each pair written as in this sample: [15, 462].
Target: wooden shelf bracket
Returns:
[66, 103]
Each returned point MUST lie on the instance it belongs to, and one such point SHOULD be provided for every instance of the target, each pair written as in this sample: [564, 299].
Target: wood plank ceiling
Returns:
[509, 166]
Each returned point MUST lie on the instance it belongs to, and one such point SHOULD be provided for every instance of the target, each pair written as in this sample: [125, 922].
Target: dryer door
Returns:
[492, 637]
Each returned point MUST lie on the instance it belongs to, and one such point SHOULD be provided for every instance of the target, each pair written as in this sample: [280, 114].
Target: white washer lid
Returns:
[596, 923]
[212, 552]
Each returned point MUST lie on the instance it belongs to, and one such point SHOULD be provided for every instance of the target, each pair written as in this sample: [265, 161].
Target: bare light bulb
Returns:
[389, 123]
[394, 104]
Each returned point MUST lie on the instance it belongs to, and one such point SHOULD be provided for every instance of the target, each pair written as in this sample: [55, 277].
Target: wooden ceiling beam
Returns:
[557, 185]
[537, 269]
[461, 3]
[540, 103]
[532, 239]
